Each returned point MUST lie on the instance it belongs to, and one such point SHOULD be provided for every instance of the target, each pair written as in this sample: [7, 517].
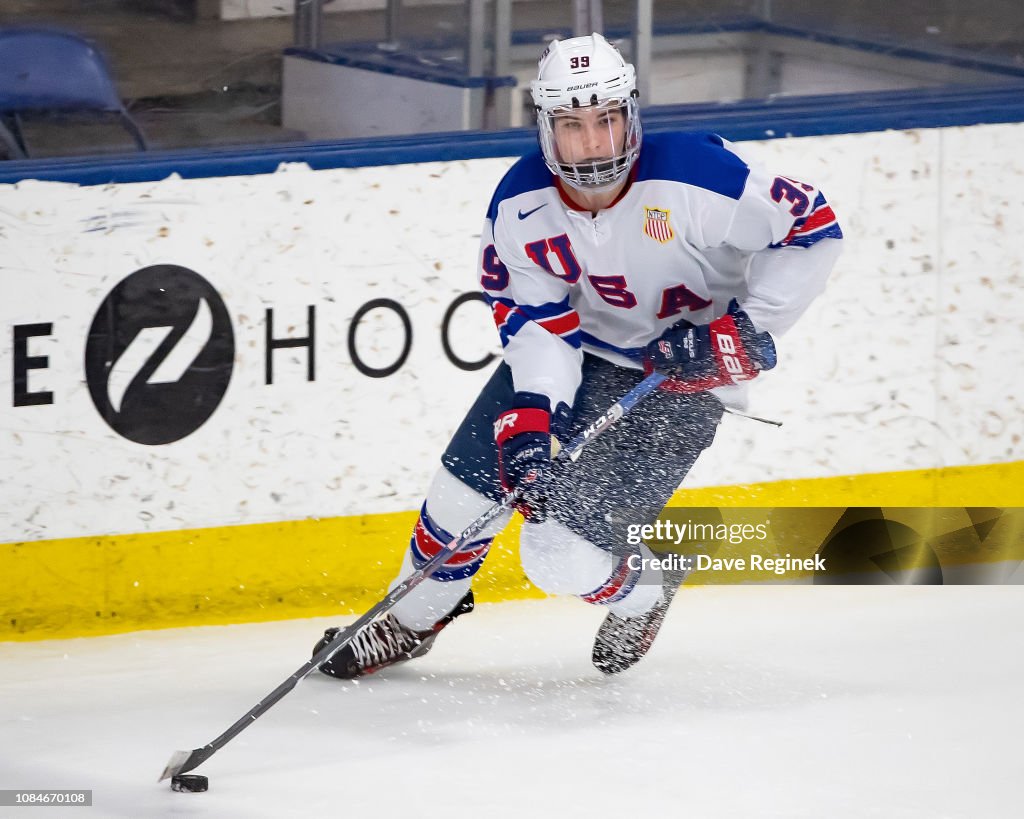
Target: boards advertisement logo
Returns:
[159, 355]
[161, 350]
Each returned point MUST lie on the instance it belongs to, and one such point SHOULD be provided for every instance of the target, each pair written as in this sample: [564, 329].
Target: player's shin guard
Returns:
[408, 631]
[450, 506]
[560, 561]
[632, 588]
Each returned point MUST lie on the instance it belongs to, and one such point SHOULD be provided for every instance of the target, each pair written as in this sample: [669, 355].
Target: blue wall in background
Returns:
[737, 121]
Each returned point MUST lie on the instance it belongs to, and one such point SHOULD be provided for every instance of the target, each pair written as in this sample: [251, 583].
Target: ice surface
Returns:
[756, 701]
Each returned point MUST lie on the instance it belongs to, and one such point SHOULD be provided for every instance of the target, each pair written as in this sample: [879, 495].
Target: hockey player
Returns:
[603, 253]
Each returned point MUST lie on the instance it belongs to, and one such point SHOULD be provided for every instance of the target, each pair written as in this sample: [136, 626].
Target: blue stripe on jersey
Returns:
[699, 159]
[543, 311]
[796, 238]
[633, 353]
[521, 314]
[573, 339]
[528, 174]
[833, 231]
[515, 322]
[492, 300]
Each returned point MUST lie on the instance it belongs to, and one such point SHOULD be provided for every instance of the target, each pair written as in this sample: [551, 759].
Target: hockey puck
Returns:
[189, 783]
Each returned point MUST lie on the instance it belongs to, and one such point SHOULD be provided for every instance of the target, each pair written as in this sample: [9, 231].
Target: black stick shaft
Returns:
[570, 453]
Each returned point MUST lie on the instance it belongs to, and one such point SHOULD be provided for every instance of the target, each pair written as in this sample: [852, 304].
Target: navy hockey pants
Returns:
[627, 474]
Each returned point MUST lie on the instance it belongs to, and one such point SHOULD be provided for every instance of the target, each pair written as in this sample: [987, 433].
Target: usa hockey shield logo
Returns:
[657, 225]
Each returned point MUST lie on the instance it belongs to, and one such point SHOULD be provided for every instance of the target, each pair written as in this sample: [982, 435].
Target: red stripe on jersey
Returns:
[501, 313]
[560, 325]
[816, 221]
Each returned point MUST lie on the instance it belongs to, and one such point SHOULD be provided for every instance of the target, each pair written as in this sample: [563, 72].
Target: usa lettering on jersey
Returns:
[695, 228]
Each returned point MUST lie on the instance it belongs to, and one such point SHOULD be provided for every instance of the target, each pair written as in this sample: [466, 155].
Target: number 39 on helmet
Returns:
[586, 72]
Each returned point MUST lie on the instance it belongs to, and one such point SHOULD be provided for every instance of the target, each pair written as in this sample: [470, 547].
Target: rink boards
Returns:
[225, 396]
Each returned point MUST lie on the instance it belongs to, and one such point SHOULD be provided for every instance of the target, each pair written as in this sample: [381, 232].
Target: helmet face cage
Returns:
[578, 75]
[593, 174]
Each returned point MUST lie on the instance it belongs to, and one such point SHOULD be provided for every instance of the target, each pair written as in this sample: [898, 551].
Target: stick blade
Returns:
[181, 761]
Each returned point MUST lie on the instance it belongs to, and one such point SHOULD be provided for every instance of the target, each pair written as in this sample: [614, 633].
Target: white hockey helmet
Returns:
[586, 72]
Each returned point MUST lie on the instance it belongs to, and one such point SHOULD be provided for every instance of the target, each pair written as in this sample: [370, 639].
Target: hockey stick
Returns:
[184, 761]
[753, 417]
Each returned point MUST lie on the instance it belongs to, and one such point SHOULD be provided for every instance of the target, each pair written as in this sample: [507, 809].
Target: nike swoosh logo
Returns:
[530, 212]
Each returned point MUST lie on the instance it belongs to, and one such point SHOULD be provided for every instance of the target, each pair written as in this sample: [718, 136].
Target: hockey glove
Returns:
[727, 351]
[526, 439]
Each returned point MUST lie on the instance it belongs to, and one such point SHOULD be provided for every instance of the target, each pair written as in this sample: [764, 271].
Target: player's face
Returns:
[589, 134]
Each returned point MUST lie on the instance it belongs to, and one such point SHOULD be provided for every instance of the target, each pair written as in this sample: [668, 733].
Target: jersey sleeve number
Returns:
[790, 191]
[495, 275]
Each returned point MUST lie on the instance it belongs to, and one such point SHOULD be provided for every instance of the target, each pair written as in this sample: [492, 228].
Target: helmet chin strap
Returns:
[584, 187]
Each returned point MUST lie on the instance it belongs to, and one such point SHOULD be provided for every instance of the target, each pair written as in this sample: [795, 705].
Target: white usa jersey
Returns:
[695, 227]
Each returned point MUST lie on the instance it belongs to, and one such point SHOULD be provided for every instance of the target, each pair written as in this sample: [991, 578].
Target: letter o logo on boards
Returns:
[353, 352]
[446, 341]
[159, 354]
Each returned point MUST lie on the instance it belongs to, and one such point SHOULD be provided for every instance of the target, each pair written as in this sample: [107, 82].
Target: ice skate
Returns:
[384, 642]
[621, 642]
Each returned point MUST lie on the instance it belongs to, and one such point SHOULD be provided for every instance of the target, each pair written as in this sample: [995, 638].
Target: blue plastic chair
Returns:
[44, 70]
